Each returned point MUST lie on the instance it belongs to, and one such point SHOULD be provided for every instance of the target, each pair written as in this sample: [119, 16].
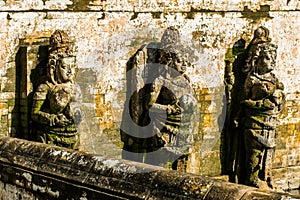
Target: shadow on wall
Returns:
[27, 80]
[21, 64]
[234, 80]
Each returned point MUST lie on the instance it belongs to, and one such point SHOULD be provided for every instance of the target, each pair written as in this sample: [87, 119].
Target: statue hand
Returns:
[249, 102]
[279, 98]
[174, 109]
[61, 120]
[236, 122]
[268, 104]
[68, 113]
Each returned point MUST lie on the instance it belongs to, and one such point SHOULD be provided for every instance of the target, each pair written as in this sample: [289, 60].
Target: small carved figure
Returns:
[51, 111]
[264, 99]
[158, 103]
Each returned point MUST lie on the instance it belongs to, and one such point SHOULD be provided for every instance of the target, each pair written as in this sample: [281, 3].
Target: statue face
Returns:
[67, 70]
[266, 62]
[259, 32]
[180, 63]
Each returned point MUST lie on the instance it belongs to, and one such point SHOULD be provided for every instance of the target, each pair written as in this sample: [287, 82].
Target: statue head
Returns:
[264, 60]
[61, 61]
[62, 68]
[261, 36]
[174, 59]
[261, 32]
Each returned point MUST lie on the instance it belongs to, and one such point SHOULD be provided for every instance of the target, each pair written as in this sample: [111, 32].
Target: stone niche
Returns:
[30, 67]
[30, 63]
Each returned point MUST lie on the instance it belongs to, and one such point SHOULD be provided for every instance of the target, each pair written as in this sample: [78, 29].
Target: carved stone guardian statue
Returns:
[51, 111]
[258, 121]
[160, 102]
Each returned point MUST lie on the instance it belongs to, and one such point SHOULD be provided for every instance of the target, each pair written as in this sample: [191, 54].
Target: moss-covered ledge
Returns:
[48, 172]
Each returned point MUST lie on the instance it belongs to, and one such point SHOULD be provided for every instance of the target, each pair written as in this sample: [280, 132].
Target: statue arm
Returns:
[156, 107]
[40, 116]
[154, 93]
[247, 87]
[262, 102]
[170, 109]
[43, 117]
[259, 104]
[278, 97]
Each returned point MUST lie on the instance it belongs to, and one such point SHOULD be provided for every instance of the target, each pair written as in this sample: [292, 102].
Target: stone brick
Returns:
[281, 158]
[281, 177]
[293, 177]
[294, 157]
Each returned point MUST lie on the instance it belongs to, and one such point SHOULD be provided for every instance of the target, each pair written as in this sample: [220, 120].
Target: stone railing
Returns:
[30, 170]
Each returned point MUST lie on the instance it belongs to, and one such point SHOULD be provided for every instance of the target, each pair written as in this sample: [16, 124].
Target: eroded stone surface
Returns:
[53, 117]
[61, 173]
[251, 132]
[212, 27]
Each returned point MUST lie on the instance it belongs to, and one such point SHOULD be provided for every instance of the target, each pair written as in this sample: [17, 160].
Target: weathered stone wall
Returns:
[108, 32]
[31, 170]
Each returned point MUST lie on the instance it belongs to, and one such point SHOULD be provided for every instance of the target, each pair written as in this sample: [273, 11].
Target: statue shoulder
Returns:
[44, 87]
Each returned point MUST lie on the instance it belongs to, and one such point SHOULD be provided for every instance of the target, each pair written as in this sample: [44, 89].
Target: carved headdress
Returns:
[261, 36]
[59, 47]
[59, 42]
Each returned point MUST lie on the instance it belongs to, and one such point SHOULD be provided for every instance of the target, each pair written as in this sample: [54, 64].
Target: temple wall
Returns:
[108, 32]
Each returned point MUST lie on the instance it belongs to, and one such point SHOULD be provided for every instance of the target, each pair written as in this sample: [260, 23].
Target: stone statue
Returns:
[158, 101]
[258, 121]
[52, 114]
[254, 96]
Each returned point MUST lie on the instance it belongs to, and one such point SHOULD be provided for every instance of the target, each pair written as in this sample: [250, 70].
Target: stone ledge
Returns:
[60, 173]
